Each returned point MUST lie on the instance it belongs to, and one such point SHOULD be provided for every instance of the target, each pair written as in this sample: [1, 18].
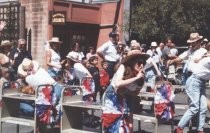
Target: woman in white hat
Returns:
[128, 80]
[53, 57]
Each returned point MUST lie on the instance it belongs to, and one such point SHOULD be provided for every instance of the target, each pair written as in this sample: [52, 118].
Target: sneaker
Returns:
[178, 130]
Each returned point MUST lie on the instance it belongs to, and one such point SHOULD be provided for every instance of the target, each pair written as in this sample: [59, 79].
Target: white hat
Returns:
[194, 37]
[55, 40]
[5, 43]
[205, 40]
[73, 56]
[26, 64]
[154, 44]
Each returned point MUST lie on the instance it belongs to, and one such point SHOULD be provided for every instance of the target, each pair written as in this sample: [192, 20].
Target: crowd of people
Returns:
[114, 71]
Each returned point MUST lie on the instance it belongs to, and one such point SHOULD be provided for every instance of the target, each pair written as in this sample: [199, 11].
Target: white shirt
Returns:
[174, 51]
[159, 51]
[202, 69]
[80, 71]
[80, 55]
[153, 55]
[41, 77]
[55, 59]
[192, 56]
[109, 51]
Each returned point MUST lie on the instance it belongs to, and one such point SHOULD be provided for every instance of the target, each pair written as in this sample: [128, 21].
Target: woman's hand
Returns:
[140, 73]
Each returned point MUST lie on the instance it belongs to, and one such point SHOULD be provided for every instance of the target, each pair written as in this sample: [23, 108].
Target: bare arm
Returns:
[176, 60]
[48, 60]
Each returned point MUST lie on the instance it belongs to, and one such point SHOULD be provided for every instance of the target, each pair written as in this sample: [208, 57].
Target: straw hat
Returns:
[27, 64]
[194, 37]
[135, 54]
[73, 56]
[55, 40]
[5, 43]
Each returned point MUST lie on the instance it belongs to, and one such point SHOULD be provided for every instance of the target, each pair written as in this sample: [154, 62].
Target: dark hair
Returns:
[113, 34]
[129, 73]
[103, 62]
[92, 58]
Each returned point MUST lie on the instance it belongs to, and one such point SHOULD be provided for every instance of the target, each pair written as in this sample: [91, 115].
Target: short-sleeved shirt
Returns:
[79, 71]
[202, 69]
[39, 78]
[192, 56]
[109, 51]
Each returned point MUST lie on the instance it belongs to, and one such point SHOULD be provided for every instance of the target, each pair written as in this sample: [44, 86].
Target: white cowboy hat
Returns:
[5, 43]
[194, 37]
[55, 40]
[135, 54]
[26, 64]
[154, 44]
[73, 56]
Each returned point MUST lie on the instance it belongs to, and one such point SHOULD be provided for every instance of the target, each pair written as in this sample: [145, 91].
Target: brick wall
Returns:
[36, 19]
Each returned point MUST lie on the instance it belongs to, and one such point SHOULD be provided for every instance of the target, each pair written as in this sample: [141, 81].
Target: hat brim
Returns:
[195, 40]
[23, 73]
[6, 45]
[72, 59]
[140, 56]
[50, 41]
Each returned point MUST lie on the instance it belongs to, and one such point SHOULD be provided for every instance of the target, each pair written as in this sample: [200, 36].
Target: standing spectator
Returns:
[104, 78]
[108, 52]
[18, 54]
[160, 49]
[77, 51]
[128, 80]
[173, 50]
[94, 71]
[53, 58]
[90, 53]
[204, 42]
[5, 61]
[5, 47]
[166, 54]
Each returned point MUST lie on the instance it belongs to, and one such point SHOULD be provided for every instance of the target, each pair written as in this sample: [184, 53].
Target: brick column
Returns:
[36, 15]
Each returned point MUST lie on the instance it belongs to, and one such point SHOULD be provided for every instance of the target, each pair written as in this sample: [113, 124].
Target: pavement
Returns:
[146, 127]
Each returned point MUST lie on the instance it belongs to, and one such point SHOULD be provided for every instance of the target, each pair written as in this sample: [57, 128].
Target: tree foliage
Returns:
[156, 20]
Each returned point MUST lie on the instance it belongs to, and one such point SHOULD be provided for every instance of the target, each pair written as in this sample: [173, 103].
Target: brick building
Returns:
[86, 21]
